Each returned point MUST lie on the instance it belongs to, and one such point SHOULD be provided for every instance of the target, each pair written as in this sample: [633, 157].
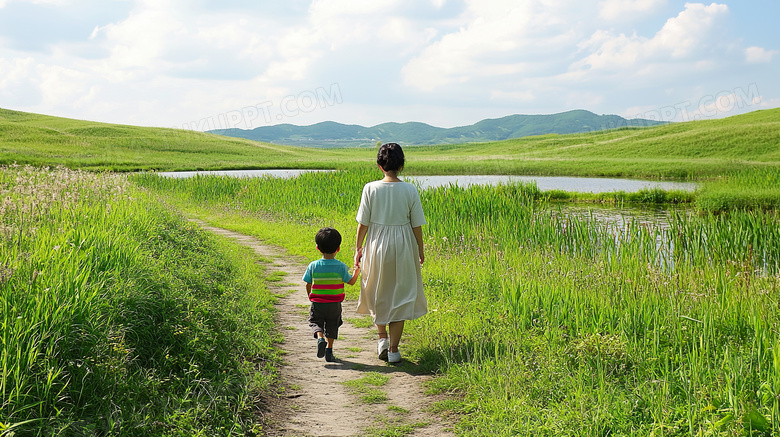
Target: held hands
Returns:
[358, 256]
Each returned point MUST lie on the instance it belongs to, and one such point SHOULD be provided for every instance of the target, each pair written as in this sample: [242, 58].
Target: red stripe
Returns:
[326, 298]
[327, 286]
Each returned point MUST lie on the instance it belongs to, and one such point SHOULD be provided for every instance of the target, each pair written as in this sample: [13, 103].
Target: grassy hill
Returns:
[683, 150]
[699, 149]
[42, 140]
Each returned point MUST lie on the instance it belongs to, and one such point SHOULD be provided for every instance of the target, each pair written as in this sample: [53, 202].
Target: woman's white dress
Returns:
[391, 287]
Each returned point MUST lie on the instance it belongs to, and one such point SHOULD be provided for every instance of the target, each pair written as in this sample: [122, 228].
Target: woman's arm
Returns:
[418, 236]
[361, 235]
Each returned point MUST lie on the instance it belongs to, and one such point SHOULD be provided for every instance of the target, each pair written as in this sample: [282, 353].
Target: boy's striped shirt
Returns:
[327, 278]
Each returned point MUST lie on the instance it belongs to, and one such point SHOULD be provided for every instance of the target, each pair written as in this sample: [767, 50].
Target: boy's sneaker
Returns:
[329, 355]
[321, 345]
[382, 347]
[394, 357]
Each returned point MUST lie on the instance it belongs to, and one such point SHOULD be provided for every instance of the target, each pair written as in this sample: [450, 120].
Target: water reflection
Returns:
[651, 215]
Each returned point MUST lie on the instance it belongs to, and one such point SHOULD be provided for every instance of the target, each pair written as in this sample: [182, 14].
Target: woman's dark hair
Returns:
[390, 157]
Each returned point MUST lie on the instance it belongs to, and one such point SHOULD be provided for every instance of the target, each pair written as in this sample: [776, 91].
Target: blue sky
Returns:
[202, 64]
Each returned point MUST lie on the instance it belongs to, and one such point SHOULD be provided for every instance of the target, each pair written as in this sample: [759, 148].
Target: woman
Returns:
[390, 219]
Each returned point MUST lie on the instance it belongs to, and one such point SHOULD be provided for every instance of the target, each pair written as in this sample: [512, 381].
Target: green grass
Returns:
[393, 428]
[277, 276]
[361, 322]
[366, 387]
[117, 314]
[543, 323]
[398, 410]
[756, 189]
[646, 196]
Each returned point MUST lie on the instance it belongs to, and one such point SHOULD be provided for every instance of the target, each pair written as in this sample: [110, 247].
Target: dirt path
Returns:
[314, 401]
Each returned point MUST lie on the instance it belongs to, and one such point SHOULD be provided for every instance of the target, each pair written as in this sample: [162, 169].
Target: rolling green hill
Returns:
[331, 134]
[48, 141]
[699, 149]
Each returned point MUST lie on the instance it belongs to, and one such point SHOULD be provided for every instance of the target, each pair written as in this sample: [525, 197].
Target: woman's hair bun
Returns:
[390, 157]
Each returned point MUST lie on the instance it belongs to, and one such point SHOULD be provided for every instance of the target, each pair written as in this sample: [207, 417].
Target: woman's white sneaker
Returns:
[393, 357]
[382, 347]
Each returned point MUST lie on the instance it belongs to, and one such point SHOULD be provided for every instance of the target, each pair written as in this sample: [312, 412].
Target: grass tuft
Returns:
[365, 387]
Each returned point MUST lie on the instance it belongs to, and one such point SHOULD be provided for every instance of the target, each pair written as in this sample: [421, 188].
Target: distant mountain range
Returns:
[332, 134]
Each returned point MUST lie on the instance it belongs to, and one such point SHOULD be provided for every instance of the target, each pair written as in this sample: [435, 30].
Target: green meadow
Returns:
[693, 150]
[540, 322]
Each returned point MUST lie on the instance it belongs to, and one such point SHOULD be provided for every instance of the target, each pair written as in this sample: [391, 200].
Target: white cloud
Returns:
[157, 38]
[691, 30]
[622, 10]
[138, 42]
[171, 62]
[64, 86]
[50, 86]
[692, 34]
[164, 49]
[15, 71]
[497, 39]
[337, 24]
[16, 88]
[758, 55]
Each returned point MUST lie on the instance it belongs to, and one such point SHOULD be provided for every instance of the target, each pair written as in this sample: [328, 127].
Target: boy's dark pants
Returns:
[325, 318]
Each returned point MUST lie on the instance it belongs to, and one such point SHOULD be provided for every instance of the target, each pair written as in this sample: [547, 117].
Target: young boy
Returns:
[325, 280]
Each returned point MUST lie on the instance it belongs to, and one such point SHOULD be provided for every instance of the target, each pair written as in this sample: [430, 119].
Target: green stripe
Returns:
[328, 281]
[330, 292]
[326, 275]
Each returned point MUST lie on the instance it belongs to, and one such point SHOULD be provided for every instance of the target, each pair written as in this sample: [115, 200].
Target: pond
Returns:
[545, 183]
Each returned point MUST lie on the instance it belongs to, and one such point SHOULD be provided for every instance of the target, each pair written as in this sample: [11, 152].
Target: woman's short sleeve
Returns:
[364, 211]
[416, 215]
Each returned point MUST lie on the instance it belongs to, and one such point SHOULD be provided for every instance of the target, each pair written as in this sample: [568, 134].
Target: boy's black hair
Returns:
[328, 240]
[390, 157]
